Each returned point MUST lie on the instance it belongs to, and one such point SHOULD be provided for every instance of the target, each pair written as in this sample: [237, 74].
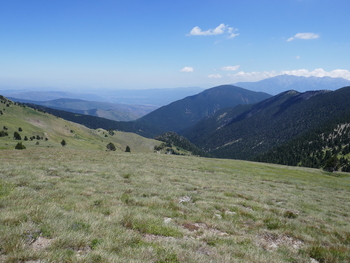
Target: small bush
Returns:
[111, 147]
[20, 146]
[3, 134]
[63, 143]
[127, 149]
[290, 214]
[126, 176]
[17, 136]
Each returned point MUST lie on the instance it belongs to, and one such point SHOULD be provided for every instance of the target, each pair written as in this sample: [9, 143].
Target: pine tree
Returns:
[63, 143]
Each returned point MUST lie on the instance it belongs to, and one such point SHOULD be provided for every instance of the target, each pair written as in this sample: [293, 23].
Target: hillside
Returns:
[176, 144]
[93, 122]
[184, 113]
[327, 147]
[66, 205]
[39, 129]
[112, 111]
[176, 116]
[278, 84]
[269, 123]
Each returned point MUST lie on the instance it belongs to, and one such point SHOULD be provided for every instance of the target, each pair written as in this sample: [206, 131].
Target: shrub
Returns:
[63, 143]
[17, 136]
[110, 146]
[127, 149]
[3, 134]
[332, 164]
[20, 146]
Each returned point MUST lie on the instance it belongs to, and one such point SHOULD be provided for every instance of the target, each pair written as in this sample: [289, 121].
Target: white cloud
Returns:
[230, 68]
[219, 30]
[215, 76]
[337, 73]
[252, 76]
[233, 35]
[187, 69]
[259, 75]
[297, 57]
[304, 36]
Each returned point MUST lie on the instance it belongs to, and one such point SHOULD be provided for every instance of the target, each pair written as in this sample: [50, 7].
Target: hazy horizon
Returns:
[146, 45]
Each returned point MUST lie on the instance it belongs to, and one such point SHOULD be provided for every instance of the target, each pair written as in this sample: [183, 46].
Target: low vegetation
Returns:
[73, 205]
[36, 128]
[176, 144]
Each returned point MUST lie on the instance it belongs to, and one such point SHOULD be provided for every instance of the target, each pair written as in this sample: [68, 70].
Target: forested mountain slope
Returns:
[270, 123]
[327, 147]
[184, 113]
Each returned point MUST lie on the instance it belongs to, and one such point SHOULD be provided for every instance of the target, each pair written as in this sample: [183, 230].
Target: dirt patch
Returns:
[272, 242]
[41, 243]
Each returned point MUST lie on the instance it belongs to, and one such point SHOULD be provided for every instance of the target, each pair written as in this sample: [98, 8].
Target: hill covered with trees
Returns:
[274, 122]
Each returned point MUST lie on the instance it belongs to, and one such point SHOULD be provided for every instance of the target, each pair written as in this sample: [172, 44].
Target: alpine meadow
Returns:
[90, 199]
[175, 131]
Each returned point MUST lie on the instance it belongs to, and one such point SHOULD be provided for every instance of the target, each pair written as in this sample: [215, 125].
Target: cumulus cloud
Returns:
[219, 30]
[215, 76]
[304, 36]
[259, 75]
[230, 68]
[187, 69]
[337, 73]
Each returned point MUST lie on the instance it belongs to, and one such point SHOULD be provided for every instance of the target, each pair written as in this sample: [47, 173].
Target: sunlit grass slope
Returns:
[52, 130]
[69, 205]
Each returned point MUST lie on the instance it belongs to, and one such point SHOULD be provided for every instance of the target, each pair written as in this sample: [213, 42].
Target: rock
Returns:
[167, 220]
[185, 199]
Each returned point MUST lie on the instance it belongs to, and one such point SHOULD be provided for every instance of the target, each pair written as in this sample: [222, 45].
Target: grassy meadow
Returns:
[70, 205]
[51, 130]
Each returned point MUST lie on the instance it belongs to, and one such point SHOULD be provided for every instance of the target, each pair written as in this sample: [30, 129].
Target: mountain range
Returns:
[233, 122]
[186, 112]
[112, 111]
[150, 97]
[317, 119]
[278, 84]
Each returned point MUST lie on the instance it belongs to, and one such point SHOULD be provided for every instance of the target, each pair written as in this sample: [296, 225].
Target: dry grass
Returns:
[66, 205]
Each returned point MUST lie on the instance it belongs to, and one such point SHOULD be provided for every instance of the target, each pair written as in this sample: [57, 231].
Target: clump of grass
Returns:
[165, 256]
[126, 175]
[126, 198]
[79, 226]
[272, 223]
[290, 214]
[329, 254]
[149, 225]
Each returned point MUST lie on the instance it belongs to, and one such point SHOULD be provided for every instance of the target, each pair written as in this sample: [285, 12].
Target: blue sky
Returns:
[167, 44]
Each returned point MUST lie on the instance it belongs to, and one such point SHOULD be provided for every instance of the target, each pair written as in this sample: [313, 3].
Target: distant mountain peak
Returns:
[280, 83]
